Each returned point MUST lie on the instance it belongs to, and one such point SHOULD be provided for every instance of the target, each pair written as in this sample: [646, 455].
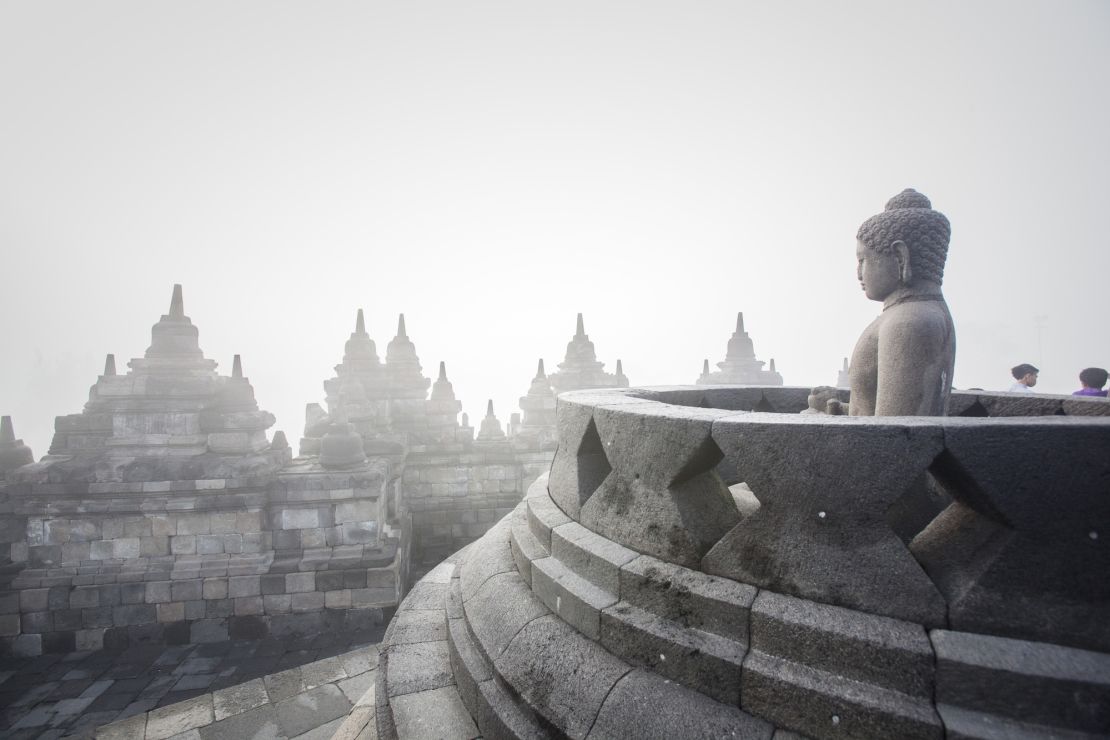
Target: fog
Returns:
[492, 168]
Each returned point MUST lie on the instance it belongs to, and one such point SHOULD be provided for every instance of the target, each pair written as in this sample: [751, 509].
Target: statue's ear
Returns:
[902, 254]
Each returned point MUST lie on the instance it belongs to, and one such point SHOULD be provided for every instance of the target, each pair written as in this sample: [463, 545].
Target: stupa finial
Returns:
[705, 367]
[237, 367]
[177, 303]
[540, 374]
[465, 420]
[580, 330]
[489, 408]
[740, 322]
[401, 326]
[110, 365]
[844, 367]
[620, 367]
[280, 442]
[360, 323]
[442, 370]
[7, 432]
[772, 364]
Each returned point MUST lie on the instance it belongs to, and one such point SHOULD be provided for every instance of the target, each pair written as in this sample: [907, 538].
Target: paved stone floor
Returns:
[61, 696]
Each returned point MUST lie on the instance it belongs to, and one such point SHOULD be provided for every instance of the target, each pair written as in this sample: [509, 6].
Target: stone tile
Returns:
[354, 688]
[303, 712]
[437, 714]
[419, 667]
[321, 672]
[238, 699]
[194, 681]
[132, 728]
[177, 718]
[257, 724]
[284, 684]
[360, 661]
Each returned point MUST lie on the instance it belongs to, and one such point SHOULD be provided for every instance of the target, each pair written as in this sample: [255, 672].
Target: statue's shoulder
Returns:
[926, 318]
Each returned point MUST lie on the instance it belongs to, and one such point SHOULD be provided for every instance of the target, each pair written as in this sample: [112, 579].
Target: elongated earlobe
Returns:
[903, 253]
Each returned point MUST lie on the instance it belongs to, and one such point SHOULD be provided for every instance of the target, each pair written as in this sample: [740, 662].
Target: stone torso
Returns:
[902, 363]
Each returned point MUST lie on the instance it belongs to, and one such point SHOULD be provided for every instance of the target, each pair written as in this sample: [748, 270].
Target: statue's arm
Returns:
[910, 348]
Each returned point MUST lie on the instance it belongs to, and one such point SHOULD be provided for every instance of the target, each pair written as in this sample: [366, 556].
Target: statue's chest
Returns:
[865, 360]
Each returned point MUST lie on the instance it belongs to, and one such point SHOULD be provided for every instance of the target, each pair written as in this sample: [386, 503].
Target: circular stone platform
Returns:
[706, 562]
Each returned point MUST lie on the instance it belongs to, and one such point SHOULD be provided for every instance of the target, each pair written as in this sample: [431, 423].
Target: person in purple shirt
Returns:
[1093, 380]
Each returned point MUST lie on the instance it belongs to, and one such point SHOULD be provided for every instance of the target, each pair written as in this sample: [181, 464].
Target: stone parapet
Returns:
[810, 607]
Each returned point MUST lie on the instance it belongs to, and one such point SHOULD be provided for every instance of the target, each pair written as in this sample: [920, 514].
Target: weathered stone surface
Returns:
[437, 714]
[821, 532]
[1025, 548]
[178, 718]
[491, 556]
[543, 514]
[823, 705]
[664, 496]
[688, 597]
[590, 555]
[418, 625]
[306, 711]
[644, 705]
[418, 667]
[703, 661]
[499, 610]
[871, 649]
[577, 601]
[1025, 681]
[562, 675]
[238, 699]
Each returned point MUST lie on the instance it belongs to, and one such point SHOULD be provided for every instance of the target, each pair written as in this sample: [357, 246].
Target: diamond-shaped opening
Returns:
[704, 459]
[975, 409]
[918, 505]
[764, 404]
[593, 465]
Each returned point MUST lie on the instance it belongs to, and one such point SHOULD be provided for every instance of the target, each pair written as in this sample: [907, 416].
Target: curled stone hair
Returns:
[910, 218]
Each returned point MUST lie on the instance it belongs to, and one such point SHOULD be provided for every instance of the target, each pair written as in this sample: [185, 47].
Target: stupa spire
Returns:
[740, 322]
[237, 367]
[177, 303]
[620, 367]
[489, 409]
[110, 365]
[360, 323]
[580, 329]
[540, 374]
[772, 364]
[7, 432]
[401, 326]
[442, 371]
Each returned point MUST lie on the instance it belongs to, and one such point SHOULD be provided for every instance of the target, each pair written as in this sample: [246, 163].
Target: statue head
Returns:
[819, 398]
[905, 245]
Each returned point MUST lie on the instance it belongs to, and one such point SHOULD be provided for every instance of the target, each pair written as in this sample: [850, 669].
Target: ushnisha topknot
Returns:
[910, 218]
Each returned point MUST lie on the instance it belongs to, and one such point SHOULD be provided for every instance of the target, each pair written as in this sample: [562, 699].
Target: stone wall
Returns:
[699, 565]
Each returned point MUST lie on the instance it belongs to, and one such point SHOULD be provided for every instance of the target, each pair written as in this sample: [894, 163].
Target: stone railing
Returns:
[689, 571]
[992, 525]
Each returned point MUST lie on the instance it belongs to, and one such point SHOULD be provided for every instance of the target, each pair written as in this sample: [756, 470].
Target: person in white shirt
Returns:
[1026, 377]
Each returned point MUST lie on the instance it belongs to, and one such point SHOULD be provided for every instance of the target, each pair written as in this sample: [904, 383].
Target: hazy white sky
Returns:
[492, 168]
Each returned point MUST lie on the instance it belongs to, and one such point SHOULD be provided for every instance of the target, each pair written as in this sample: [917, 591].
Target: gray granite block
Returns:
[577, 601]
[418, 625]
[823, 705]
[689, 597]
[821, 530]
[499, 610]
[701, 660]
[435, 714]
[315, 707]
[489, 557]
[591, 556]
[1031, 682]
[645, 705]
[418, 667]
[887, 652]
[561, 674]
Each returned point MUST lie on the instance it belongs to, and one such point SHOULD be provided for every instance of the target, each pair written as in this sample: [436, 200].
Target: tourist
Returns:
[1092, 379]
[1026, 377]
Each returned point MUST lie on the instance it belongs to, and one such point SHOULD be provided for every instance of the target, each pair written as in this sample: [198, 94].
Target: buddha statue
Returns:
[819, 398]
[902, 363]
